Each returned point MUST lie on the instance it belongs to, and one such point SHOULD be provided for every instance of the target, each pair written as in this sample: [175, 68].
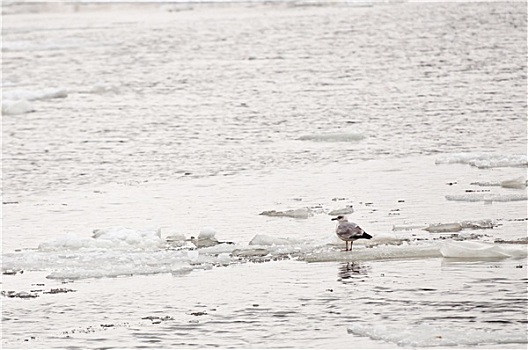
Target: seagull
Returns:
[349, 231]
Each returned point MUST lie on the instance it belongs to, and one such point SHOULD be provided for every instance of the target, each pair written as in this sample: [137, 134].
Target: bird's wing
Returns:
[349, 229]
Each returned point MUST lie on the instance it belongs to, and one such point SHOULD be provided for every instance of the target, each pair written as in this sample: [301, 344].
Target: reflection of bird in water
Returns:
[350, 269]
[349, 231]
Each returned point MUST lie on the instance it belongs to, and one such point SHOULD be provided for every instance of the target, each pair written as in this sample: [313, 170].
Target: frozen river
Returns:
[155, 123]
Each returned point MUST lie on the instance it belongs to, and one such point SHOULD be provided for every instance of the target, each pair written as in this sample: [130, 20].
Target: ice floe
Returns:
[266, 240]
[478, 224]
[487, 197]
[408, 227]
[474, 250]
[454, 227]
[425, 335]
[14, 107]
[484, 160]
[110, 238]
[251, 252]
[206, 238]
[518, 183]
[405, 251]
[459, 226]
[18, 101]
[31, 95]
[177, 240]
[21, 294]
[121, 251]
[301, 213]
[343, 211]
[334, 137]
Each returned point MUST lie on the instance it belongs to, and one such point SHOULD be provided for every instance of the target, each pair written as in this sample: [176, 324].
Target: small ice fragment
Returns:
[468, 249]
[22, 295]
[43, 94]
[478, 224]
[407, 227]
[204, 242]
[343, 211]
[519, 182]
[207, 232]
[206, 238]
[385, 238]
[301, 213]
[453, 227]
[335, 137]
[250, 252]
[10, 107]
[177, 240]
[487, 197]
[103, 88]
[224, 259]
[269, 240]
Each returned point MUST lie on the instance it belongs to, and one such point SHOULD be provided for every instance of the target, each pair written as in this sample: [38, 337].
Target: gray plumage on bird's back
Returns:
[349, 231]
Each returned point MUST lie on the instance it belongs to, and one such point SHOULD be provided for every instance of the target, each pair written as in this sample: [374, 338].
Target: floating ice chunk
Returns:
[206, 238]
[484, 160]
[265, 240]
[523, 240]
[22, 294]
[96, 263]
[181, 271]
[454, 227]
[10, 107]
[478, 224]
[383, 238]
[177, 240]
[122, 233]
[111, 238]
[377, 239]
[301, 213]
[424, 335]
[252, 252]
[343, 211]
[207, 232]
[407, 227]
[485, 183]
[103, 89]
[43, 94]
[334, 137]
[519, 182]
[472, 250]
[224, 259]
[487, 197]
[406, 251]
[204, 242]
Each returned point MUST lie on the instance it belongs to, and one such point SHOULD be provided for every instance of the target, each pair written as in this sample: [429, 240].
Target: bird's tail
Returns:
[366, 236]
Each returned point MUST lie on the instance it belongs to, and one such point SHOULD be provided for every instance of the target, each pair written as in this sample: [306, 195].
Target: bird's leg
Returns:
[346, 246]
[351, 242]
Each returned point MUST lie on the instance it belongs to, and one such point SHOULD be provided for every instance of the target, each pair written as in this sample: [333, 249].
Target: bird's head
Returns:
[340, 218]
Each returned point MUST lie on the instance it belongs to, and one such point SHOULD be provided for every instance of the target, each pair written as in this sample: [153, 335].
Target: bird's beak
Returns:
[332, 219]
